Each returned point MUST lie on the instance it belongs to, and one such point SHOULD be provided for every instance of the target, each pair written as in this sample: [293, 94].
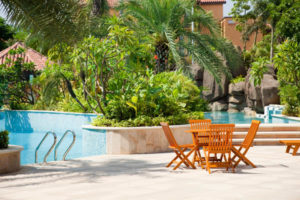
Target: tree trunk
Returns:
[162, 53]
[255, 38]
[272, 41]
[99, 7]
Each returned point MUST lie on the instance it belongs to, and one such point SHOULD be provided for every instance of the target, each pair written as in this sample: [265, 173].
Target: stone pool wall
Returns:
[133, 140]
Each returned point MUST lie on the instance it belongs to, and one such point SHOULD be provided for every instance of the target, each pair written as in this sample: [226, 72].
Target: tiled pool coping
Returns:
[286, 117]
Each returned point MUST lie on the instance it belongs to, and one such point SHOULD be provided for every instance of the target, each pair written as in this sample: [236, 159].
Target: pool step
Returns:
[267, 138]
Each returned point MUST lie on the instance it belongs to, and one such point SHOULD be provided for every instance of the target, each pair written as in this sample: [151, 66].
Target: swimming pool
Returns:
[27, 128]
[241, 118]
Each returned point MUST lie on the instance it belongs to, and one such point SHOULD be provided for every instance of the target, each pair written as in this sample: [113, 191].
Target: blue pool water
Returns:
[241, 118]
[27, 128]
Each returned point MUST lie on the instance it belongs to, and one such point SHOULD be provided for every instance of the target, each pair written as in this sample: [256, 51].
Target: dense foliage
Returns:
[168, 24]
[15, 86]
[182, 118]
[287, 62]
[4, 139]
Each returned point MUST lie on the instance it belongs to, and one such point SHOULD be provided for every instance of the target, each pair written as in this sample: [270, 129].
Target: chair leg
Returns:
[206, 154]
[242, 157]
[230, 162]
[168, 165]
[185, 158]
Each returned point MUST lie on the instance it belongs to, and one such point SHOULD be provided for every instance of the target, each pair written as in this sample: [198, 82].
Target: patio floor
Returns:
[144, 177]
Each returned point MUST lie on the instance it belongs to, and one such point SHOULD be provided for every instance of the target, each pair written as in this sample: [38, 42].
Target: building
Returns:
[30, 55]
[227, 24]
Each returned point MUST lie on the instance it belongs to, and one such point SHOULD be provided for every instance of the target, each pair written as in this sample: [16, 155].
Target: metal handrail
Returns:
[69, 148]
[51, 148]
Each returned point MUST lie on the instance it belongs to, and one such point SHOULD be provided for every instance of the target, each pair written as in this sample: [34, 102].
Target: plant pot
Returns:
[10, 159]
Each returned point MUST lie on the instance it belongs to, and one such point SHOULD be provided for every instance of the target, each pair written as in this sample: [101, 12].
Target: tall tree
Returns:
[6, 33]
[166, 21]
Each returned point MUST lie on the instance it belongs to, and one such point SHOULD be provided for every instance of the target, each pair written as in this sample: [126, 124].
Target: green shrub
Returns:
[4, 139]
[287, 62]
[147, 120]
[154, 95]
[237, 79]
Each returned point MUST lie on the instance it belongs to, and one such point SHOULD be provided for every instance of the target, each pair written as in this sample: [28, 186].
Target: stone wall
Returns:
[236, 97]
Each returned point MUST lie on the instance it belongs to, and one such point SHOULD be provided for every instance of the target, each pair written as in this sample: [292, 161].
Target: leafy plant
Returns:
[168, 23]
[258, 70]
[238, 79]
[15, 85]
[4, 139]
[287, 62]
[143, 120]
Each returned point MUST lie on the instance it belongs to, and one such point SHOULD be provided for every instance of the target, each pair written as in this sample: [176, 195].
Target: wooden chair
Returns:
[178, 149]
[200, 124]
[220, 142]
[291, 144]
[240, 153]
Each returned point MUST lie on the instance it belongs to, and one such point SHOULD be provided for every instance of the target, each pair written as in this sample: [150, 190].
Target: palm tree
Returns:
[55, 21]
[168, 21]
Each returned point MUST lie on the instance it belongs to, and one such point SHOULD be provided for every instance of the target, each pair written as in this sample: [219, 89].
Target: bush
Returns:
[287, 62]
[237, 79]
[147, 120]
[4, 139]
[154, 95]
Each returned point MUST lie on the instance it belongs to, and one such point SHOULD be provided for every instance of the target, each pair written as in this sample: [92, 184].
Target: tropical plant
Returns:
[96, 68]
[15, 85]
[287, 62]
[4, 139]
[168, 23]
[258, 69]
[237, 79]
[56, 21]
[181, 118]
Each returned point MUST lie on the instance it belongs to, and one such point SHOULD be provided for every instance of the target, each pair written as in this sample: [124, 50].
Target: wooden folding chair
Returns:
[200, 124]
[240, 154]
[178, 149]
[220, 142]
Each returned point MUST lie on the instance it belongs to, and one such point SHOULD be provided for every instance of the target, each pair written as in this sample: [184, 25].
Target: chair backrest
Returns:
[200, 123]
[169, 135]
[220, 137]
[251, 134]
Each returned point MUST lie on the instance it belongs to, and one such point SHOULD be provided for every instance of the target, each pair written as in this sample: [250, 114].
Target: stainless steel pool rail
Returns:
[51, 148]
[70, 146]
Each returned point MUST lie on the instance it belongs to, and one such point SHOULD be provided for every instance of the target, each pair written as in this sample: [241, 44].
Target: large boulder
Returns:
[236, 89]
[267, 93]
[220, 105]
[212, 90]
[269, 90]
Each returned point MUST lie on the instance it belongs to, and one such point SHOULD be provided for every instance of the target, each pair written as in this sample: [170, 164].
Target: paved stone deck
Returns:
[144, 177]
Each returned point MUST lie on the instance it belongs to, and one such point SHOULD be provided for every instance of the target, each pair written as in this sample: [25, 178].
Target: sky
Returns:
[226, 9]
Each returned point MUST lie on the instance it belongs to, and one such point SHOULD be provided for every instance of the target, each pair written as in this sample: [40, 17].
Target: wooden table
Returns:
[203, 133]
[199, 133]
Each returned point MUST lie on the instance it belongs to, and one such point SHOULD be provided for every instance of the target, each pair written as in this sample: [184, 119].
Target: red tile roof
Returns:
[29, 55]
[112, 3]
[211, 1]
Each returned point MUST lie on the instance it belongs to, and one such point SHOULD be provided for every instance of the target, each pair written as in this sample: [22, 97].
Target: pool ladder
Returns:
[53, 145]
